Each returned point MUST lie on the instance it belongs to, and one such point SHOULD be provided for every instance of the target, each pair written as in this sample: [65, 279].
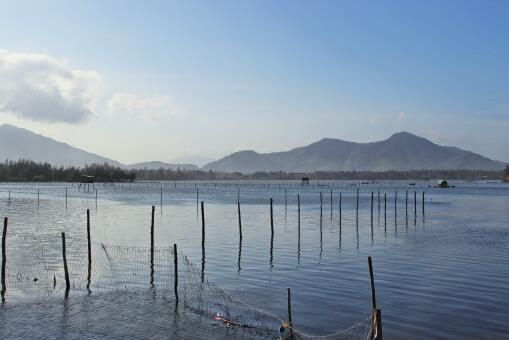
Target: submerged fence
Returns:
[52, 265]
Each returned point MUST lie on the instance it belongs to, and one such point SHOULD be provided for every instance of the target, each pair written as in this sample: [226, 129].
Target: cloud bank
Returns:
[41, 88]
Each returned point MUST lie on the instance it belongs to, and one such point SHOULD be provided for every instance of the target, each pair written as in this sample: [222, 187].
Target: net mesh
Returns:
[35, 268]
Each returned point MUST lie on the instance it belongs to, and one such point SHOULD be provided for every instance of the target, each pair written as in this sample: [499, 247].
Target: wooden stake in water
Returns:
[321, 207]
[406, 207]
[161, 199]
[372, 283]
[89, 250]
[423, 206]
[298, 216]
[9, 199]
[357, 211]
[331, 204]
[176, 274]
[66, 198]
[37, 196]
[66, 270]
[290, 324]
[372, 194]
[395, 208]
[238, 210]
[152, 246]
[202, 230]
[385, 210]
[415, 207]
[4, 258]
[340, 213]
[271, 218]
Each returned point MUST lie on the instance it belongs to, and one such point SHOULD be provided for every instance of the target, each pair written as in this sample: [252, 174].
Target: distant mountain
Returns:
[402, 151]
[17, 143]
[155, 165]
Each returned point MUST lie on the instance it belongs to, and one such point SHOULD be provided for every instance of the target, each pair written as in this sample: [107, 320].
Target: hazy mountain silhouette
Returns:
[17, 143]
[155, 165]
[402, 151]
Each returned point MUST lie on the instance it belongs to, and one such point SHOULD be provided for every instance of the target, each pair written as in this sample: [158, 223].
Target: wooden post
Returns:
[89, 250]
[340, 213]
[321, 207]
[271, 218]
[9, 200]
[290, 324]
[372, 198]
[96, 198]
[176, 274]
[372, 283]
[415, 207]
[38, 197]
[202, 230]
[66, 270]
[238, 210]
[423, 205]
[65, 198]
[161, 199]
[395, 208]
[298, 215]
[152, 246]
[406, 207]
[357, 211]
[378, 324]
[4, 258]
[286, 201]
[331, 204]
[385, 210]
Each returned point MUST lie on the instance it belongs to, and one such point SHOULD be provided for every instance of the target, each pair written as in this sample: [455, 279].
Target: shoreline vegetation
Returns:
[30, 171]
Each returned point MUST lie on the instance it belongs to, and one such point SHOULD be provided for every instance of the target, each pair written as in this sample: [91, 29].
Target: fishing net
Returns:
[35, 267]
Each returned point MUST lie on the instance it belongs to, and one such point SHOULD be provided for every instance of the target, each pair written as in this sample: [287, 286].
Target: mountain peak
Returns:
[402, 151]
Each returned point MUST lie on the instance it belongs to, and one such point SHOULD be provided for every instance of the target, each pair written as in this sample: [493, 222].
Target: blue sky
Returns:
[167, 80]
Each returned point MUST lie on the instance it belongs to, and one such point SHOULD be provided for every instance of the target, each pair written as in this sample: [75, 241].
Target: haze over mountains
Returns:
[402, 151]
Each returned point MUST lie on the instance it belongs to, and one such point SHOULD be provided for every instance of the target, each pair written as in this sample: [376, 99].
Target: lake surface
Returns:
[443, 274]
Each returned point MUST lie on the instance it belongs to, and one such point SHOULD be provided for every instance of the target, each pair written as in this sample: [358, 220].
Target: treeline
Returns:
[506, 173]
[30, 171]
[180, 175]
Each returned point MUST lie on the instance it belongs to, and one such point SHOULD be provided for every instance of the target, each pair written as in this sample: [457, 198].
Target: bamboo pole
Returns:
[89, 250]
[290, 323]
[238, 210]
[66, 270]
[271, 218]
[4, 258]
[176, 276]
[202, 230]
[152, 246]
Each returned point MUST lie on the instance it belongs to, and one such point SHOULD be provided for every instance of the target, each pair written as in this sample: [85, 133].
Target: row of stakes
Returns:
[376, 321]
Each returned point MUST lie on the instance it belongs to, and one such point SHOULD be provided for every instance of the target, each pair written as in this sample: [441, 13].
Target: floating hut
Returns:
[442, 184]
[305, 181]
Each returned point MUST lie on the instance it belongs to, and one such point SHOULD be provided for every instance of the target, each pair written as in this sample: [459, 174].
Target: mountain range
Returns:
[402, 151]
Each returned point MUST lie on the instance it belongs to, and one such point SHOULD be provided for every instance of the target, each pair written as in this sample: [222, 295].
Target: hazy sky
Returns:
[160, 80]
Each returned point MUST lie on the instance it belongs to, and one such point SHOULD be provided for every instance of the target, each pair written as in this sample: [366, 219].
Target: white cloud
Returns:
[41, 88]
[153, 107]
[401, 116]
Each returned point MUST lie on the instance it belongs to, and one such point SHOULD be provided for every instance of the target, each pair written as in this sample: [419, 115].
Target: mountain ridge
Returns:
[401, 151]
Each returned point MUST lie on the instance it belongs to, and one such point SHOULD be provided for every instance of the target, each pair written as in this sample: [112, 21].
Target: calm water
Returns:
[441, 275]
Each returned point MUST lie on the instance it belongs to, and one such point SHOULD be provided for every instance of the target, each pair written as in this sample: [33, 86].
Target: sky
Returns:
[196, 80]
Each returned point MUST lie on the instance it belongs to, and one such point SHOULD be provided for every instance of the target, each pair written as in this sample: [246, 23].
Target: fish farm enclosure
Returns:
[254, 260]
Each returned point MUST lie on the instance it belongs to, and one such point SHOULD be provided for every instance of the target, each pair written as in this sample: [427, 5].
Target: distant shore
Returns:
[29, 171]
